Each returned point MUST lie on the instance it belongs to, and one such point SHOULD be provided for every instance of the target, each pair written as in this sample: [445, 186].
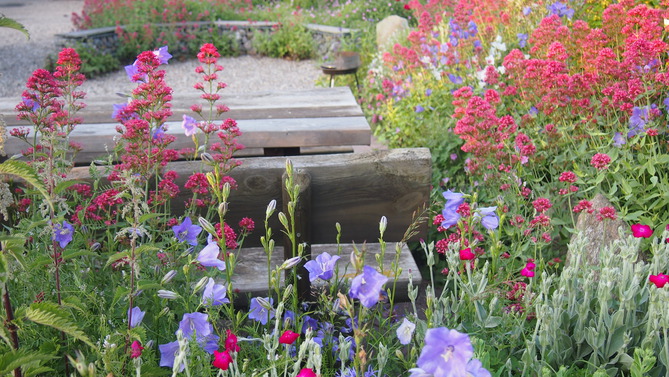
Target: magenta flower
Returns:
[600, 161]
[467, 254]
[367, 286]
[641, 231]
[136, 316]
[306, 372]
[136, 349]
[446, 353]
[187, 232]
[208, 256]
[528, 270]
[222, 360]
[214, 294]
[189, 125]
[660, 280]
[322, 267]
[288, 337]
[62, 233]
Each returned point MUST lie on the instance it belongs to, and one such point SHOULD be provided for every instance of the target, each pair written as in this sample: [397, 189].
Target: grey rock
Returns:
[598, 234]
[387, 29]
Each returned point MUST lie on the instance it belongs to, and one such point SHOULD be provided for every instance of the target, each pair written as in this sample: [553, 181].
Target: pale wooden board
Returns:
[311, 103]
[250, 275]
[98, 140]
[354, 189]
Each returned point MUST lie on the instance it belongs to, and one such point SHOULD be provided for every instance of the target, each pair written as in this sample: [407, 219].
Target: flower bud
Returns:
[168, 277]
[206, 225]
[270, 209]
[264, 303]
[383, 224]
[206, 157]
[290, 263]
[200, 284]
[167, 294]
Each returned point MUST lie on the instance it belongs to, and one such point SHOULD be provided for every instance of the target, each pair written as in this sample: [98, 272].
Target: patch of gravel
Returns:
[44, 19]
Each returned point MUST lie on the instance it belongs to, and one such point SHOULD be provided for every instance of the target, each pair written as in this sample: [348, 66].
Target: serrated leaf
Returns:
[17, 358]
[149, 216]
[49, 314]
[116, 256]
[10, 23]
[25, 172]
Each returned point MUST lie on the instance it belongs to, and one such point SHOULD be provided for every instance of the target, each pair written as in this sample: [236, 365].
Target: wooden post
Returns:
[302, 230]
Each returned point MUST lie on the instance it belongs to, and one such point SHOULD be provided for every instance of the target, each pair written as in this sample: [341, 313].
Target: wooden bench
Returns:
[272, 123]
[352, 189]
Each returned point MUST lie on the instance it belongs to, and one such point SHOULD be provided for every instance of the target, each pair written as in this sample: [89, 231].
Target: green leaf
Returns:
[116, 256]
[149, 216]
[64, 185]
[9, 23]
[49, 314]
[20, 358]
[80, 253]
[25, 172]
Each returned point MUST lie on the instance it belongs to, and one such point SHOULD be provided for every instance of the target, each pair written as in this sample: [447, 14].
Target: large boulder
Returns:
[387, 29]
[598, 233]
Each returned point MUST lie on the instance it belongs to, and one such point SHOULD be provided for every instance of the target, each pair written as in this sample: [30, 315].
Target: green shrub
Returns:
[291, 40]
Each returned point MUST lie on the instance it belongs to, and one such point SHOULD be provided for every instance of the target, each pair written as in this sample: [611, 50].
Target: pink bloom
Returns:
[222, 360]
[659, 280]
[567, 176]
[641, 231]
[542, 205]
[306, 372]
[600, 161]
[136, 349]
[607, 213]
[231, 342]
[288, 337]
[466, 254]
[528, 270]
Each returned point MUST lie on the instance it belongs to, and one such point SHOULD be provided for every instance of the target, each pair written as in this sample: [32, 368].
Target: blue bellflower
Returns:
[561, 9]
[187, 232]
[445, 351]
[367, 286]
[62, 233]
[208, 256]
[638, 120]
[168, 352]
[214, 294]
[322, 267]
[522, 40]
[259, 312]
[453, 201]
[405, 331]
[489, 219]
[137, 316]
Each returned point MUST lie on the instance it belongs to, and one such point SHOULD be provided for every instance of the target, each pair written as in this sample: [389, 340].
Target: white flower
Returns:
[405, 331]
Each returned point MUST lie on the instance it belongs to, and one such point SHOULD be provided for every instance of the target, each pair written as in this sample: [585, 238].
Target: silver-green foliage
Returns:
[597, 316]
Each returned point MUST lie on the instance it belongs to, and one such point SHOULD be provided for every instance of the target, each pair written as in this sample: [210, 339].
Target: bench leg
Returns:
[331, 81]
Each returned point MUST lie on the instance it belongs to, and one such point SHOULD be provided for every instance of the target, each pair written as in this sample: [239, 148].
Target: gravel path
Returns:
[19, 57]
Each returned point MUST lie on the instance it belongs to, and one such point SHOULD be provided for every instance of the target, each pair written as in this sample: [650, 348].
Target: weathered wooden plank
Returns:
[354, 190]
[98, 139]
[312, 103]
[250, 275]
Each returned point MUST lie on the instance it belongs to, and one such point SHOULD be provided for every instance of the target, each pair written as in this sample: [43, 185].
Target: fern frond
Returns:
[49, 314]
[13, 359]
[25, 172]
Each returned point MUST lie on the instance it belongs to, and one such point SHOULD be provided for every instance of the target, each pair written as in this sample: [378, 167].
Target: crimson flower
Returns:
[288, 337]
[136, 349]
[222, 360]
[660, 280]
[528, 270]
[231, 342]
[641, 231]
[466, 254]
[307, 372]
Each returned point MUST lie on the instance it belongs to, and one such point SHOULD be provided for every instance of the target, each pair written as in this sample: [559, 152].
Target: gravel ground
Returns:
[44, 19]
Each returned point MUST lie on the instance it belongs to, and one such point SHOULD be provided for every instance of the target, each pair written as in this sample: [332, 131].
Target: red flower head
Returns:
[466, 254]
[136, 349]
[641, 231]
[288, 337]
[231, 342]
[659, 280]
[600, 161]
[222, 360]
[528, 270]
[307, 372]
